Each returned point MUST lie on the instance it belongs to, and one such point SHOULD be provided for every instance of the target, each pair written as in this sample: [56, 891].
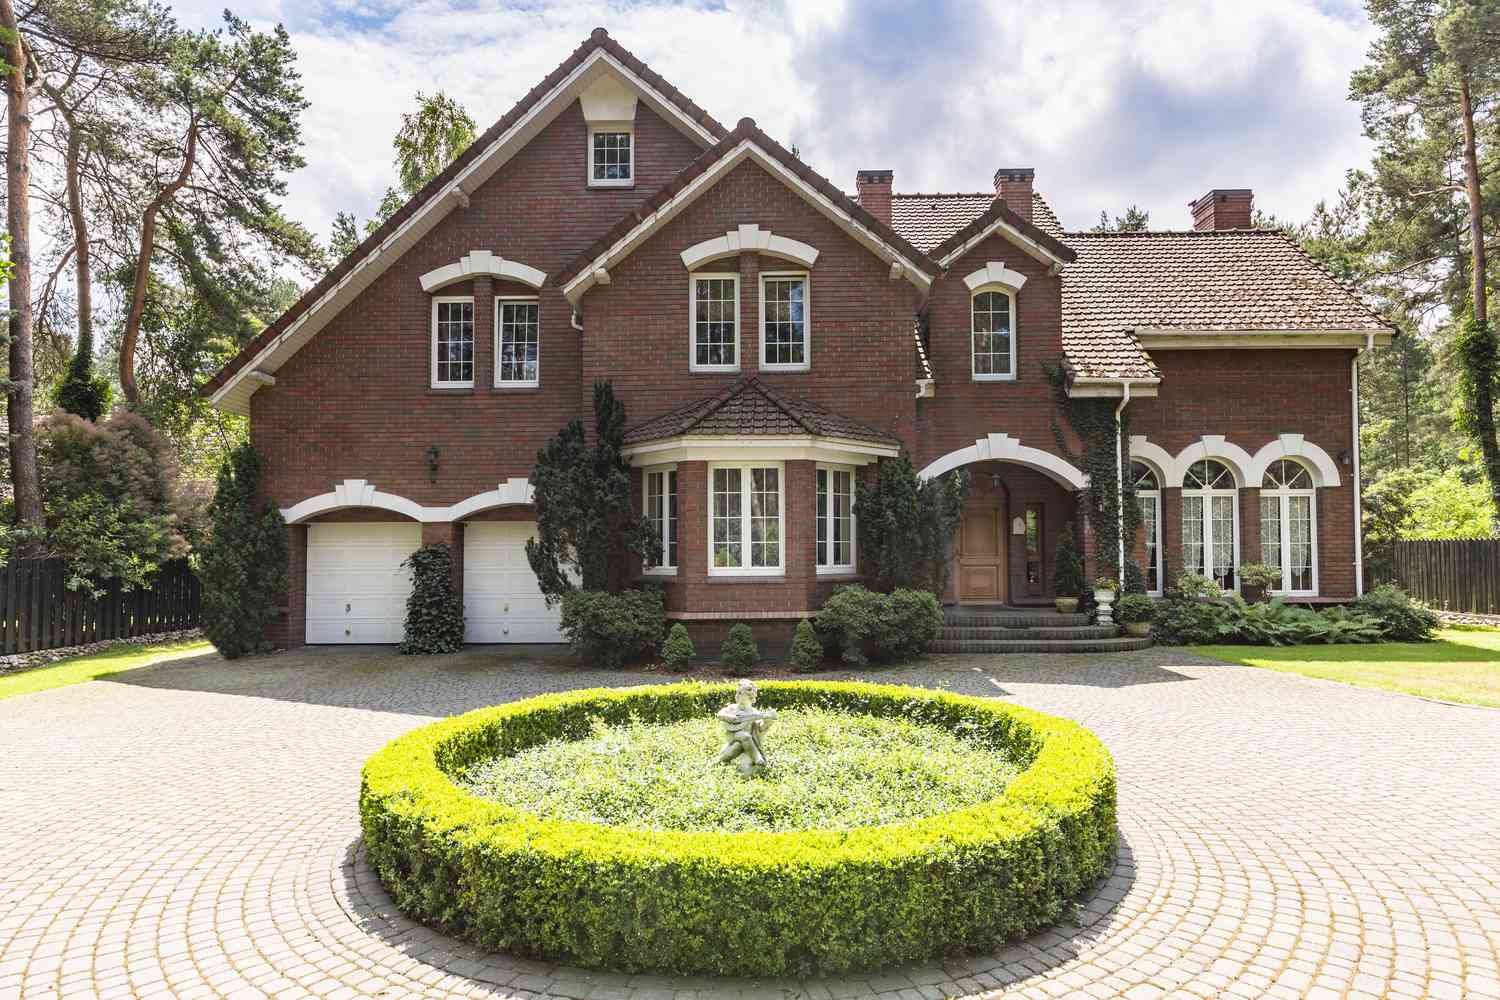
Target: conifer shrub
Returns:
[1067, 573]
[242, 565]
[739, 651]
[677, 651]
[434, 611]
[807, 648]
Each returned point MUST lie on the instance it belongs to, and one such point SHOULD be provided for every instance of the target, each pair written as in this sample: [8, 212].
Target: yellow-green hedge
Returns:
[751, 903]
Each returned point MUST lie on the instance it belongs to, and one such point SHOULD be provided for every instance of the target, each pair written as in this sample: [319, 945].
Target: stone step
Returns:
[1012, 619]
[1039, 632]
[1118, 645]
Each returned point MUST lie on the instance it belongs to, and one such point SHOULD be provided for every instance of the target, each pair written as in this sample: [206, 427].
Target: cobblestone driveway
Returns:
[190, 830]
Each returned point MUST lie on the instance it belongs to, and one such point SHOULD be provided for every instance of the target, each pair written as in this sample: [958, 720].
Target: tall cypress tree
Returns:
[243, 565]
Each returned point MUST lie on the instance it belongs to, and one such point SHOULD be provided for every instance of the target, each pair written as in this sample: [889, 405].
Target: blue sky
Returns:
[1111, 102]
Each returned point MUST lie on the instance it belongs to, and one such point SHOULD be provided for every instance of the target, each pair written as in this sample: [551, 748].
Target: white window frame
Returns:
[824, 561]
[437, 300]
[746, 478]
[625, 128]
[1010, 295]
[739, 353]
[1284, 496]
[1155, 497]
[518, 383]
[666, 516]
[1236, 557]
[806, 363]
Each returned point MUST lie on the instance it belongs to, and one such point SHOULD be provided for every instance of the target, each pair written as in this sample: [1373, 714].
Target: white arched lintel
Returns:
[1004, 448]
[361, 493]
[512, 492]
[1216, 447]
[995, 273]
[1325, 470]
[482, 262]
[1158, 458]
[749, 238]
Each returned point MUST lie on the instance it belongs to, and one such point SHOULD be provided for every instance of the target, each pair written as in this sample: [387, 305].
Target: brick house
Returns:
[772, 337]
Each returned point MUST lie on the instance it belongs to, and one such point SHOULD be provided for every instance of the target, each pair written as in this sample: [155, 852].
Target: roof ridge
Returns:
[942, 194]
[792, 408]
[1142, 233]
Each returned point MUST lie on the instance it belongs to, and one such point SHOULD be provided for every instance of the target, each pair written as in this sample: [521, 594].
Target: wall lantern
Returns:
[1018, 526]
[1344, 457]
[432, 462]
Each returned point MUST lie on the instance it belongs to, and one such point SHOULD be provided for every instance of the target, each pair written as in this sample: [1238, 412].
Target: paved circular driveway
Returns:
[190, 830]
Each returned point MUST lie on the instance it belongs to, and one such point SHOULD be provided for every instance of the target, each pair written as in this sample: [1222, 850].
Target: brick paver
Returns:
[190, 830]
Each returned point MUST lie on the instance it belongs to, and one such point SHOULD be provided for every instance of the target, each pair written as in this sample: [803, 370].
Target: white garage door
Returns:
[502, 602]
[356, 588]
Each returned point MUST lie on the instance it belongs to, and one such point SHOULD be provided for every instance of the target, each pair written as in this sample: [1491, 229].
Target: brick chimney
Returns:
[872, 189]
[1013, 186]
[1223, 208]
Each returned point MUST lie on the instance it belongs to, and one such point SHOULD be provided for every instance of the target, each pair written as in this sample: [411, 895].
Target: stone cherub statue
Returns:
[744, 724]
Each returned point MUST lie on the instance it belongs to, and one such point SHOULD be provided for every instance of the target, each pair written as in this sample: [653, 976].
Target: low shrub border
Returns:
[806, 902]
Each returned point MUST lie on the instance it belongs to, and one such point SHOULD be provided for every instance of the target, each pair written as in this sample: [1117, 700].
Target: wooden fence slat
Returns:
[1450, 574]
[38, 611]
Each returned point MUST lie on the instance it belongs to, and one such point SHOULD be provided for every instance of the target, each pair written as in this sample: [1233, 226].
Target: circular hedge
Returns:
[805, 902]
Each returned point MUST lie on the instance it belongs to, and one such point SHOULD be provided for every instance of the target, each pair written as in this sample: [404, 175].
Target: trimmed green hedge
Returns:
[754, 903]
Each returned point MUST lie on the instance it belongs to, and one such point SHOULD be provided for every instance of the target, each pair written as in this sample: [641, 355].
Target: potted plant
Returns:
[1256, 579]
[1067, 573]
[1105, 589]
[1135, 612]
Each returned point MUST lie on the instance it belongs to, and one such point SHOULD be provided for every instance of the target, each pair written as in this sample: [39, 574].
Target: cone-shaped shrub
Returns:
[807, 648]
[739, 650]
[678, 652]
[243, 564]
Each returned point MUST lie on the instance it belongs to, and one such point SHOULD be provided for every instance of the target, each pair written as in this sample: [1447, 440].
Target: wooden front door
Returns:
[981, 555]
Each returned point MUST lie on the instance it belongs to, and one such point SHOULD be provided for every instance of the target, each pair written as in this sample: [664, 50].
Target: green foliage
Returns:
[586, 527]
[1135, 220]
[1135, 580]
[659, 776]
[1259, 575]
[1134, 608]
[825, 901]
[243, 564]
[1453, 504]
[434, 611]
[428, 140]
[613, 629]
[1067, 572]
[1402, 618]
[1194, 622]
[1196, 585]
[907, 525]
[863, 625]
[677, 651]
[83, 392]
[739, 651]
[807, 648]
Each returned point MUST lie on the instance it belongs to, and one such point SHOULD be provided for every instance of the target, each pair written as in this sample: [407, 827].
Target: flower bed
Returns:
[813, 901]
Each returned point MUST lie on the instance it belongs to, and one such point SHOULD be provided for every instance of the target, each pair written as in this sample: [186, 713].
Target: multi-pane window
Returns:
[453, 342]
[609, 157]
[716, 322]
[1148, 496]
[661, 515]
[745, 504]
[783, 317]
[994, 342]
[516, 328]
[1286, 525]
[835, 517]
[1210, 521]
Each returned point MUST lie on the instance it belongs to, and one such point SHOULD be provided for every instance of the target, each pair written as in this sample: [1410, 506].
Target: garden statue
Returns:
[743, 726]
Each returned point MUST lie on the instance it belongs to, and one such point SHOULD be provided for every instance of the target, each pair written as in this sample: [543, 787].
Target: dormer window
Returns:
[994, 335]
[611, 156]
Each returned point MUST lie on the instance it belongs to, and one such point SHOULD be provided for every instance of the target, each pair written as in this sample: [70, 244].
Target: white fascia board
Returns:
[1201, 339]
[785, 448]
[1092, 388]
[234, 395]
[745, 149]
[1029, 246]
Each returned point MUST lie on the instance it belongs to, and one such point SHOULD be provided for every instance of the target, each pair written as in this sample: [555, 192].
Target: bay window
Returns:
[1210, 522]
[1288, 526]
[835, 517]
[661, 514]
[745, 520]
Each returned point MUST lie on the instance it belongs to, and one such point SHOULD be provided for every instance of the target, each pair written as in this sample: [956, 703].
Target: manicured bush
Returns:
[739, 651]
[807, 648]
[1195, 621]
[754, 903]
[1067, 572]
[1191, 585]
[613, 629]
[678, 652]
[914, 621]
[242, 565]
[434, 611]
[1259, 576]
[1134, 608]
[1402, 619]
[863, 625]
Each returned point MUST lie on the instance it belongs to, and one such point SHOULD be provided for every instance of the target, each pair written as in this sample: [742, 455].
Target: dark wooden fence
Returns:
[37, 611]
[1462, 575]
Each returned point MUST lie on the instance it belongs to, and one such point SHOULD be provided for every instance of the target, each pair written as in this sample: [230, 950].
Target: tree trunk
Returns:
[1484, 399]
[132, 331]
[20, 393]
[82, 267]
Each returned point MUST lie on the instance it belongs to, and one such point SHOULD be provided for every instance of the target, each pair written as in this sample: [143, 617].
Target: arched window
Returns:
[994, 335]
[1148, 496]
[1288, 526]
[1210, 521]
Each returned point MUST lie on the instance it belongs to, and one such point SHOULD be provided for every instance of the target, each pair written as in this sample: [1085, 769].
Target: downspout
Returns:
[1120, 478]
[1359, 534]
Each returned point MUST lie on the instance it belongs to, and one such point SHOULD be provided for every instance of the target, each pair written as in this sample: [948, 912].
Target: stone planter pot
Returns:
[1104, 597]
[1066, 605]
[1138, 630]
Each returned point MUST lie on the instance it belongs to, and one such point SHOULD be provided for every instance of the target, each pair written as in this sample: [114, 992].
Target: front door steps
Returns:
[995, 629]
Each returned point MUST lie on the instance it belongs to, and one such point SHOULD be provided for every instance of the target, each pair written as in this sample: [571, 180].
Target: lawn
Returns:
[1462, 665]
[78, 669]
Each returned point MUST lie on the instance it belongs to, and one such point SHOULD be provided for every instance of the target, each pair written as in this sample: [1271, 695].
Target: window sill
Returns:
[659, 574]
[779, 576]
[516, 387]
[786, 368]
[717, 370]
[450, 390]
[848, 572]
[993, 378]
[611, 185]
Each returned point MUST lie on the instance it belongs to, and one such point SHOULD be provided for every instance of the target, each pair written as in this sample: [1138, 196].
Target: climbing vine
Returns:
[1093, 420]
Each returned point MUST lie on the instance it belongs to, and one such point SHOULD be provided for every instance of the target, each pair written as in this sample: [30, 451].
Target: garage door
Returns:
[502, 602]
[356, 588]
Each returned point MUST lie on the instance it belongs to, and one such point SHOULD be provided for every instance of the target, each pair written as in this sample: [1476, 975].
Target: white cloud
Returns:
[1151, 103]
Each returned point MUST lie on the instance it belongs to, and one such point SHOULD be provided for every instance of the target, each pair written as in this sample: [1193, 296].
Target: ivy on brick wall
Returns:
[1093, 420]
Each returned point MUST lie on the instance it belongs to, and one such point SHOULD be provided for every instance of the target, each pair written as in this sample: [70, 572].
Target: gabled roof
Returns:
[749, 407]
[459, 179]
[1001, 218]
[746, 141]
[927, 220]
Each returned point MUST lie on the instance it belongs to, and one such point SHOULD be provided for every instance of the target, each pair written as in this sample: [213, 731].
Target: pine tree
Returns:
[242, 567]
